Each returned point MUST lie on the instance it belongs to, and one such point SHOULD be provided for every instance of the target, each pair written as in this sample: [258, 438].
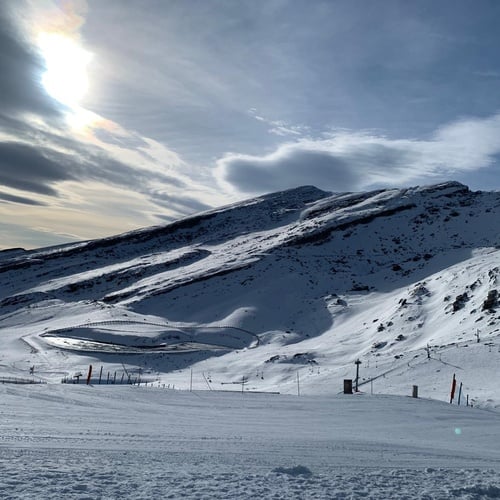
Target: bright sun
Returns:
[66, 63]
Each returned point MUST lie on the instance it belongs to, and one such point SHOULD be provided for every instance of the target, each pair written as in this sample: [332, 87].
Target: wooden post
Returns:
[114, 378]
[100, 375]
[467, 401]
[123, 375]
[107, 381]
[459, 393]
[415, 391]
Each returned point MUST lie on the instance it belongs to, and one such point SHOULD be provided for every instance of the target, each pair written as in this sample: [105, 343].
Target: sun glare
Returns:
[66, 63]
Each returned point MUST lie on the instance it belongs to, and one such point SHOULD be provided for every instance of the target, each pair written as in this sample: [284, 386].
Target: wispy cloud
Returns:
[71, 163]
[353, 160]
[280, 127]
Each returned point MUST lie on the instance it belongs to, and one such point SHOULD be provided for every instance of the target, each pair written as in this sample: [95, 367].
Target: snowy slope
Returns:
[282, 293]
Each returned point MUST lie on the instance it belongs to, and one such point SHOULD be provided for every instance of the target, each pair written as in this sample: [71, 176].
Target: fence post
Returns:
[415, 391]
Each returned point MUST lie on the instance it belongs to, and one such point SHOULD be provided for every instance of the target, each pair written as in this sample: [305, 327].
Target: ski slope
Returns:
[219, 345]
[78, 441]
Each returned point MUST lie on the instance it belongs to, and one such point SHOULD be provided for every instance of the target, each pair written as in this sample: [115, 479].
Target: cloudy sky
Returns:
[120, 114]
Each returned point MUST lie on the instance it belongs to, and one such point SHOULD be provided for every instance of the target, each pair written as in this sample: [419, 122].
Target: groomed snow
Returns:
[77, 441]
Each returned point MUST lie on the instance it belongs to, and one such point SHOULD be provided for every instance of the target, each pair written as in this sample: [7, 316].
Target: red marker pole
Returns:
[89, 375]
[453, 388]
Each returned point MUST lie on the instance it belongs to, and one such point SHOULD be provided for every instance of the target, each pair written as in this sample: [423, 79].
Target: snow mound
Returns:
[298, 470]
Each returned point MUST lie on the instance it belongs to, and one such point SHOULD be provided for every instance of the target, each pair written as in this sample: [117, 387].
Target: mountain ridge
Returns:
[298, 270]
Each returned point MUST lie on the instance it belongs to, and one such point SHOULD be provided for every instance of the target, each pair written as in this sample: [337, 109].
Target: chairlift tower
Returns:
[357, 363]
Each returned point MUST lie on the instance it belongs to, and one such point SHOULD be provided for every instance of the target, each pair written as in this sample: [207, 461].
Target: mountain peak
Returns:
[302, 277]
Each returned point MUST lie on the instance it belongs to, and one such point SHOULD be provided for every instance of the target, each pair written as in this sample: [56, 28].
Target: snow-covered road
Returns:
[75, 441]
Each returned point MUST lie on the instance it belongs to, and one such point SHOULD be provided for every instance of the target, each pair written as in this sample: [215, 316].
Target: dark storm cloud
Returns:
[35, 169]
[86, 160]
[6, 197]
[30, 169]
[22, 69]
[288, 169]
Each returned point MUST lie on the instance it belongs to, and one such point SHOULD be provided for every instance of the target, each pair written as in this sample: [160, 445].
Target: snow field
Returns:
[74, 474]
[128, 442]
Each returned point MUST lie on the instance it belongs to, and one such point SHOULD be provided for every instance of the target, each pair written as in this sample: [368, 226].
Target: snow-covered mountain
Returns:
[282, 292]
